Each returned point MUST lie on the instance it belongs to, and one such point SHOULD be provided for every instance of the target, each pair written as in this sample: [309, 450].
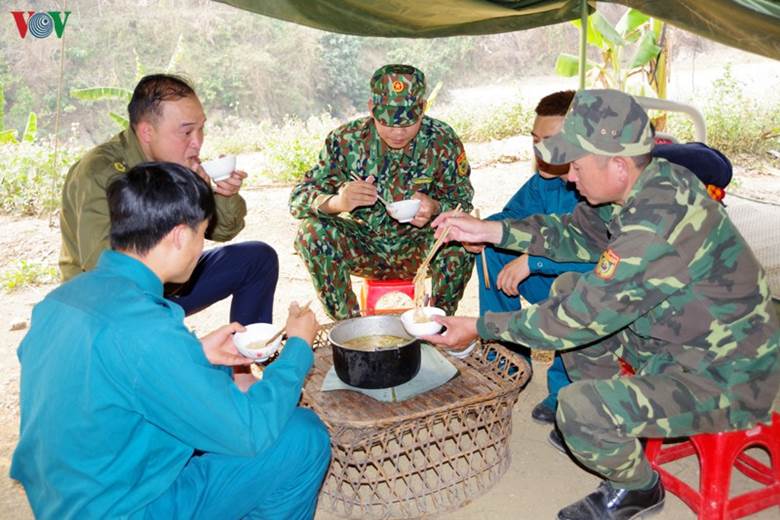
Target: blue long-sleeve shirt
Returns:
[543, 196]
[116, 393]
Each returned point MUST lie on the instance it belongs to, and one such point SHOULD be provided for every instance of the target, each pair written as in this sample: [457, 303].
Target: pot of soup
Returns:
[374, 352]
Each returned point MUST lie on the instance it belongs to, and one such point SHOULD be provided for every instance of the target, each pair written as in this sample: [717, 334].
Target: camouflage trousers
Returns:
[603, 415]
[333, 248]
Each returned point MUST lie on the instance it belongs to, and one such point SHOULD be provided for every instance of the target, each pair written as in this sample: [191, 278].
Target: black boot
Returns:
[556, 441]
[611, 503]
[543, 414]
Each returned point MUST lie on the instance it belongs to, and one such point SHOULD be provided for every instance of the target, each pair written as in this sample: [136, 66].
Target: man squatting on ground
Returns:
[549, 191]
[397, 153]
[166, 124]
[676, 293]
[126, 414]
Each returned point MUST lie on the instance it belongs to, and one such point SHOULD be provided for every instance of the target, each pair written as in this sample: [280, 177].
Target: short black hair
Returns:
[148, 201]
[153, 90]
[555, 104]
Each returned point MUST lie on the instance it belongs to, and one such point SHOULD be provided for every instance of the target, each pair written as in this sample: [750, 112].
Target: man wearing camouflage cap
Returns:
[676, 297]
[395, 153]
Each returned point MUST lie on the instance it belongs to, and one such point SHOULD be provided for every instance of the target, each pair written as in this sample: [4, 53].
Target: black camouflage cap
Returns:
[600, 122]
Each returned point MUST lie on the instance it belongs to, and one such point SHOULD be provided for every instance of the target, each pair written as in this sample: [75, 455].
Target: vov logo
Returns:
[42, 23]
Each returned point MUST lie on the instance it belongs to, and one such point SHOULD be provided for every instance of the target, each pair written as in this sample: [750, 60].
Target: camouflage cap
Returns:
[600, 122]
[398, 95]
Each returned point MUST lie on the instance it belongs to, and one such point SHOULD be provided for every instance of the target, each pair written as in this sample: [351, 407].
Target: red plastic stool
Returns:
[373, 290]
[717, 453]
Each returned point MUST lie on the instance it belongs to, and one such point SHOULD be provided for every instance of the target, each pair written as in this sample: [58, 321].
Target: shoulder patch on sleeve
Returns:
[607, 265]
[462, 164]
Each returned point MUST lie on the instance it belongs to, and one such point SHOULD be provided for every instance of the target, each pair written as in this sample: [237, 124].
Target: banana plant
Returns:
[124, 95]
[643, 73]
[30, 129]
[105, 94]
[29, 135]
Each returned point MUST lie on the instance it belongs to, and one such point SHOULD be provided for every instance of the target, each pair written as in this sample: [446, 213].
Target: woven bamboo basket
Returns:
[430, 454]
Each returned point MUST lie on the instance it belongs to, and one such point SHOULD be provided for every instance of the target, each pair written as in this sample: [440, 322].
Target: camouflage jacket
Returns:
[84, 221]
[675, 283]
[433, 163]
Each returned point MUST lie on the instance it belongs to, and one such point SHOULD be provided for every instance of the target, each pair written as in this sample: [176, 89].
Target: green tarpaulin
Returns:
[752, 25]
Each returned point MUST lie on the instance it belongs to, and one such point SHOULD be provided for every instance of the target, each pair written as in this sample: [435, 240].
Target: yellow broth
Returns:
[255, 345]
[372, 343]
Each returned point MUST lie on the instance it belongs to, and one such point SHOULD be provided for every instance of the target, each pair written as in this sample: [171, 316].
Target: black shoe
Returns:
[611, 503]
[556, 440]
[543, 414]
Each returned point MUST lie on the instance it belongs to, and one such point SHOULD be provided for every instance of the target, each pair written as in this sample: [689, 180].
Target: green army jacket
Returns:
[84, 220]
[433, 163]
[675, 284]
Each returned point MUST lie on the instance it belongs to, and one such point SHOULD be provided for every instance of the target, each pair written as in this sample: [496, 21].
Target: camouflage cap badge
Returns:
[600, 122]
[398, 95]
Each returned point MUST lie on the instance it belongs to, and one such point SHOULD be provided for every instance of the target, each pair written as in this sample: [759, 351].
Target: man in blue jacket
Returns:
[512, 275]
[126, 414]
[549, 192]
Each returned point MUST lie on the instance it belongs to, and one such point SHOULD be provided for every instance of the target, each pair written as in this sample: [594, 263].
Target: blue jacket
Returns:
[543, 196]
[116, 393]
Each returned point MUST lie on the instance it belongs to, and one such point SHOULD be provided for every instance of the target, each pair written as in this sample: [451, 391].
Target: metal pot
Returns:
[374, 367]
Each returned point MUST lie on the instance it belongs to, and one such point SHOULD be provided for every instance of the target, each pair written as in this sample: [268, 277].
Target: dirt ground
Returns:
[540, 480]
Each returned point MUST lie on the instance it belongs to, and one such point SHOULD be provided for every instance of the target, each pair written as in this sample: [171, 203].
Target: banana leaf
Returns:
[8, 137]
[605, 29]
[30, 129]
[568, 65]
[629, 23]
[101, 93]
[594, 36]
[123, 122]
[646, 50]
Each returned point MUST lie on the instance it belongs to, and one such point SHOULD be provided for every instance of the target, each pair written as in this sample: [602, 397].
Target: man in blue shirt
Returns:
[125, 413]
[512, 275]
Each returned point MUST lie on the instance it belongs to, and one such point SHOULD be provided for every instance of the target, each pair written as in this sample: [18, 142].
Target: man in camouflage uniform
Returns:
[396, 153]
[676, 294]
[166, 124]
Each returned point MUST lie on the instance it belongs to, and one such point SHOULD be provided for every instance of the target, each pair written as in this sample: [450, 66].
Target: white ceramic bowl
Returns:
[220, 169]
[404, 210]
[422, 329]
[252, 342]
[463, 354]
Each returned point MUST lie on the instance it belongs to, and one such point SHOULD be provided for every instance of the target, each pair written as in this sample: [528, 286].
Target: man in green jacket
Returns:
[676, 294]
[166, 124]
[396, 153]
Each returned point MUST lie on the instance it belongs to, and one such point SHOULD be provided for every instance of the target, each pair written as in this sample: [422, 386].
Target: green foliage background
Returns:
[273, 88]
[243, 65]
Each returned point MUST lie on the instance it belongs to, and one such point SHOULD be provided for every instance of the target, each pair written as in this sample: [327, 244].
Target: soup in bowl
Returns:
[418, 322]
[253, 343]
